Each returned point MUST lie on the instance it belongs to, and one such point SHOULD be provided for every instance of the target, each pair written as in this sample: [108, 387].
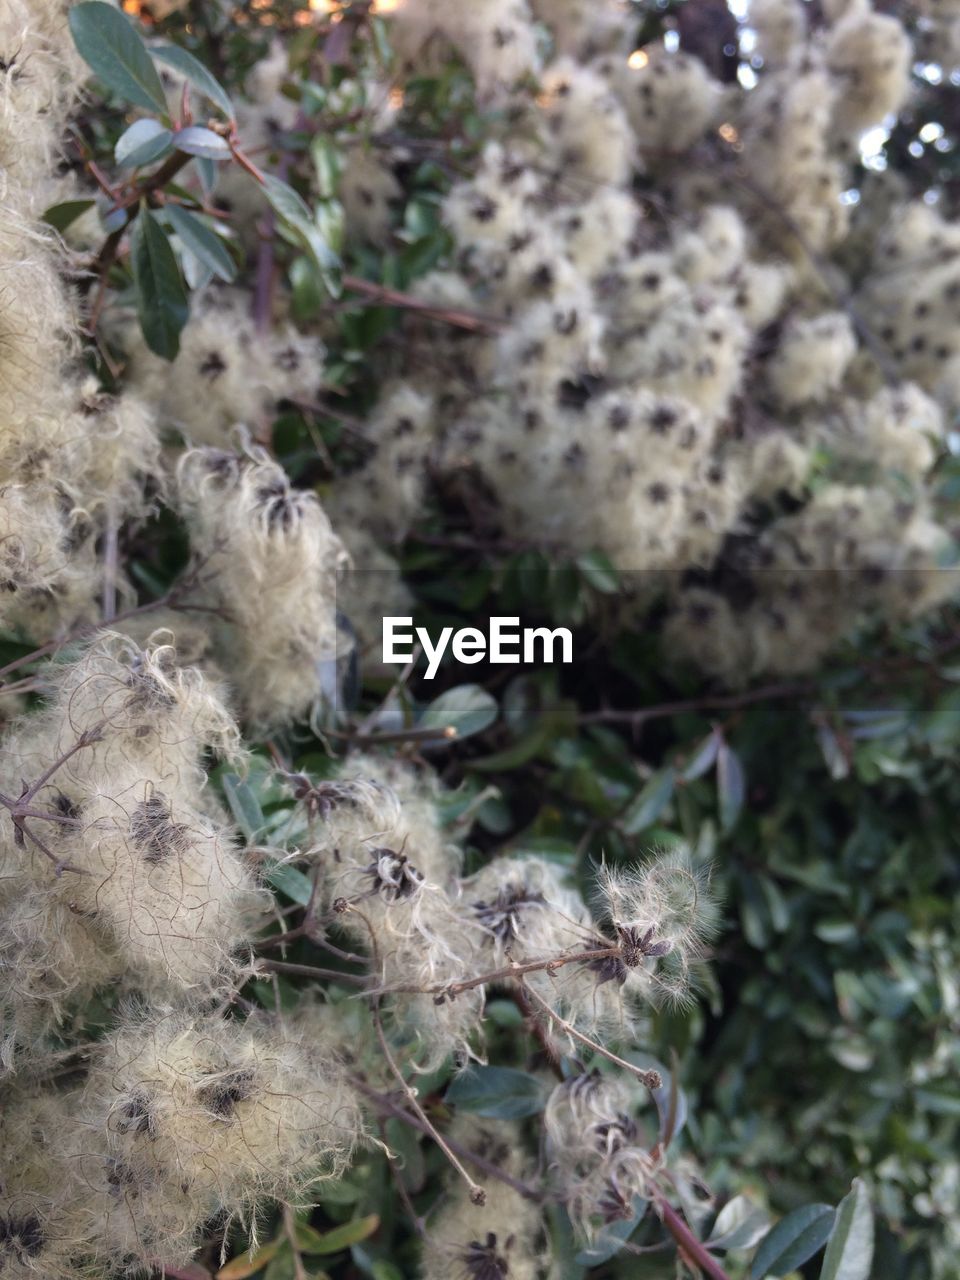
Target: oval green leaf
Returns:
[599, 572]
[647, 806]
[793, 1240]
[612, 1238]
[193, 70]
[703, 758]
[731, 786]
[290, 881]
[849, 1254]
[144, 142]
[197, 141]
[500, 1093]
[297, 224]
[114, 52]
[351, 1233]
[60, 216]
[244, 1267]
[468, 709]
[739, 1225]
[244, 805]
[202, 241]
[161, 298]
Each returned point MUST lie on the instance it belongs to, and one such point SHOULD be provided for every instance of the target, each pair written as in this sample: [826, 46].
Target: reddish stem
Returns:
[688, 1244]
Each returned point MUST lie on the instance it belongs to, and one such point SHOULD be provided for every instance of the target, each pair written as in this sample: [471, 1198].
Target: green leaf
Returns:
[611, 1239]
[297, 887]
[500, 1093]
[202, 241]
[941, 1102]
[309, 294]
[731, 786]
[647, 806]
[317, 1242]
[114, 52]
[241, 1268]
[703, 759]
[384, 1270]
[468, 709]
[405, 1145]
[599, 572]
[284, 201]
[244, 805]
[161, 298]
[193, 70]
[832, 751]
[739, 1225]
[197, 141]
[298, 222]
[282, 1266]
[207, 173]
[849, 1254]
[793, 1240]
[563, 1244]
[60, 216]
[144, 142]
[328, 165]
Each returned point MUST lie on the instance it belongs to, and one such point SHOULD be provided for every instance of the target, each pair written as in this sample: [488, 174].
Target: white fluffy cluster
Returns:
[598, 1157]
[72, 461]
[505, 1235]
[182, 1117]
[673, 369]
[939, 24]
[154, 894]
[128, 885]
[390, 877]
[227, 373]
[495, 38]
[268, 561]
[912, 294]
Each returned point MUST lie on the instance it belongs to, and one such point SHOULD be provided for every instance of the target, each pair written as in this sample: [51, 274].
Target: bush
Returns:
[634, 319]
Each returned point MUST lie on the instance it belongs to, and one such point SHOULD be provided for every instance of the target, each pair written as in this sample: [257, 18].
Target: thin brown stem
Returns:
[86, 739]
[419, 1223]
[311, 971]
[399, 735]
[714, 702]
[111, 553]
[515, 972]
[170, 601]
[290, 1231]
[689, 1246]
[154, 182]
[477, 1194]
[650, 1079]
[59, 864]
[386, 1104]
[458, 318]
[244, 161]
[538, 1031]
[21, 808]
